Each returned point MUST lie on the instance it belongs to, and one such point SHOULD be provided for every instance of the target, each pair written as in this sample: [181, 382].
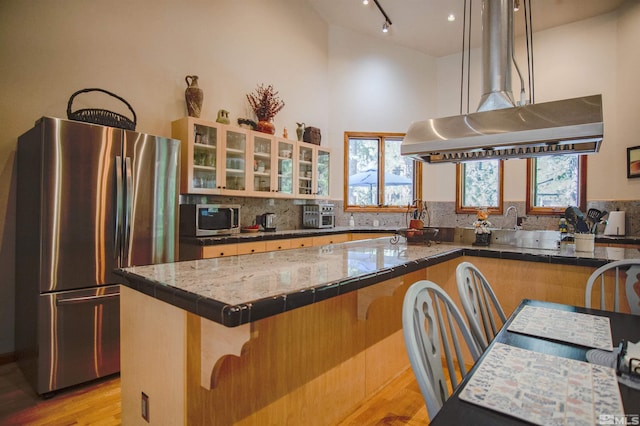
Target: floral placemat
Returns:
[543, 389]
[573, 327]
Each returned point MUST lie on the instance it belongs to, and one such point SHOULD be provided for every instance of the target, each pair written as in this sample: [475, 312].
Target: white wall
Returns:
[375, 86]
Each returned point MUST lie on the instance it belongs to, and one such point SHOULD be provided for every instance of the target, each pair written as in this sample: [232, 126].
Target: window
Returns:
[556, 182]
[377, 177]
[479, 185]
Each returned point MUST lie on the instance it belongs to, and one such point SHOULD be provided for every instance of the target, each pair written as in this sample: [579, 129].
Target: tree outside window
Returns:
[556, 182]
[377, 177]
[479, 186]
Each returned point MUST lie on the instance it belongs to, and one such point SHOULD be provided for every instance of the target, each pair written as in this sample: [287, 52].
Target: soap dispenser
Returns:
[352, 221]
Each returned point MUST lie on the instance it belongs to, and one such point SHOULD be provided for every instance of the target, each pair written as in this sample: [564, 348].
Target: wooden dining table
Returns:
[456, 411]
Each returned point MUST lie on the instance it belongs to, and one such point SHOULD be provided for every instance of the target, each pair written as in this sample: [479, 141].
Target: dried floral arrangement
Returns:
[265, 102]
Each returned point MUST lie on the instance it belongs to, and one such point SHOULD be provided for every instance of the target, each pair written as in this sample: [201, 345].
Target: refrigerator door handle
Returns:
[86, 299]
[119, 199]
[128, 209]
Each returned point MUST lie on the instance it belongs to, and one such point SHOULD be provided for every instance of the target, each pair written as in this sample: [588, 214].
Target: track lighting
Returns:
[387, 21]
[516, 5]
[365, 2]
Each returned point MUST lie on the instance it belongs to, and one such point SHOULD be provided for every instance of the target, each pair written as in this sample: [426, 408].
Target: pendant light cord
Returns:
[466, 41]
[529, 39]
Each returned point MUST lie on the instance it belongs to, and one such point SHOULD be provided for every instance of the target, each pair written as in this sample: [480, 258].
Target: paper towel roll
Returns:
[615, 224]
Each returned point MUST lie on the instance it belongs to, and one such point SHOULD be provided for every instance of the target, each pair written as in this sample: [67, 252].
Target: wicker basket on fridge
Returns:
[102, 116]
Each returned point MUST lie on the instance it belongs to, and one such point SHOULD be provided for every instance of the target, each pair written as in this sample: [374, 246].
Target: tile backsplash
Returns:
[289, 213]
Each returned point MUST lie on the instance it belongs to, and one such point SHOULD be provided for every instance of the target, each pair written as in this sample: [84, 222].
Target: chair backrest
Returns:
[605, 279]
[431, 323]
[480, 304]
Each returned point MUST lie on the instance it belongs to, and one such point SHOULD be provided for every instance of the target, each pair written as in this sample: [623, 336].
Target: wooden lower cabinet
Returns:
[331, 239]
[253, 247]
[301, 242]
[359, 236]
[275, 245]
[194, 252]
[221, 250]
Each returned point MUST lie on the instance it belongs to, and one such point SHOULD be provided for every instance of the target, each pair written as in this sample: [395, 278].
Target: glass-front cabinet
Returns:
[220, 159]
[305, 170]
[313, 171]
[286, 149]
[263, 179]
[200, 155]
[323, 161]
[236, 143]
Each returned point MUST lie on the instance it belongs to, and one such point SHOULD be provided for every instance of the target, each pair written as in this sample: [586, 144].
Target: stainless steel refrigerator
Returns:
[90, 199]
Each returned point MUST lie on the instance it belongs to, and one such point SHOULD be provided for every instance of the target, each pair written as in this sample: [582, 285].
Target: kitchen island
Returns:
[302, 336]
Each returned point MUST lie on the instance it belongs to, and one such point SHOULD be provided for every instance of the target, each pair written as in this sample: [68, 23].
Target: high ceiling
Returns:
[422, 24]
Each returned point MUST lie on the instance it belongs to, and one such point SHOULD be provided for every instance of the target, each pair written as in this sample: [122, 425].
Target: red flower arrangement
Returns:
[265, 102]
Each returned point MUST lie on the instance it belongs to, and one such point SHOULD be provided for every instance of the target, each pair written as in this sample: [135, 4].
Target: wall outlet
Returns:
[145, 407]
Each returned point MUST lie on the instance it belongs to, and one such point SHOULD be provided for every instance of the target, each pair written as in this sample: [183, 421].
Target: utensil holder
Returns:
[584, 242]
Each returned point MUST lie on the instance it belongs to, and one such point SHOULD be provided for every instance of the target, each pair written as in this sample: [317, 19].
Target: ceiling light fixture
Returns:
[387, 21]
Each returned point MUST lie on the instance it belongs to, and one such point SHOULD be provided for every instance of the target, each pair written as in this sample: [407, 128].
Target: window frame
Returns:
[461, 209]
[381, 136]
[556, 210]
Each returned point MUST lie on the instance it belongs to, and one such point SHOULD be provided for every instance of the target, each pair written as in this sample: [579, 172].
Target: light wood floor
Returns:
[98, 403]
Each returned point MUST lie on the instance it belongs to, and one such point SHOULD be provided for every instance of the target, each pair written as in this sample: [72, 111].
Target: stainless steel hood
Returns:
[500, 130]
[572, 126]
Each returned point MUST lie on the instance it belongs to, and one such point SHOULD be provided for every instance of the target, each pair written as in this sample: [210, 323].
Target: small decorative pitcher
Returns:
[194, 96]
[300, 130]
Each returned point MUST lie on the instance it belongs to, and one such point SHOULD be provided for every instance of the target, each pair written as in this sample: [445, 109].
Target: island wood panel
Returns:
[313, 365]
[152, 359]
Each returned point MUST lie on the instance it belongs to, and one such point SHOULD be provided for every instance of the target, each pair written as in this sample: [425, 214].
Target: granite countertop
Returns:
[240, 289]
[283, 234]
[302, 233]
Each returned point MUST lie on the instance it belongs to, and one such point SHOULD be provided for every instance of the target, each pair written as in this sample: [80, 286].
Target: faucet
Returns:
[515, 210]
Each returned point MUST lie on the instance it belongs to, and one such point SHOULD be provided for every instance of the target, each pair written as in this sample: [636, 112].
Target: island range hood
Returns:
[501, 130]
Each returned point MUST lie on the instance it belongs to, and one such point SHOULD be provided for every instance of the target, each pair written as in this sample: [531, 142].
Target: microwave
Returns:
[204, 220]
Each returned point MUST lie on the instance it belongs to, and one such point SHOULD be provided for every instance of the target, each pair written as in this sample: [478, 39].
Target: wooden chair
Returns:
[609, 275]
[431, 323]
[480, 304]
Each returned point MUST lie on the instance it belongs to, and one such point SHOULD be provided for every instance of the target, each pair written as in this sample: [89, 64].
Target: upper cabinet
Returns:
[227, 160]
[312, 172]
[201, 155]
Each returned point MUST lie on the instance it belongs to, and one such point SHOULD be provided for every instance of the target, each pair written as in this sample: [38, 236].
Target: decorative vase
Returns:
[265, 126]
[300, 131]
[194, 96]
[223, 117]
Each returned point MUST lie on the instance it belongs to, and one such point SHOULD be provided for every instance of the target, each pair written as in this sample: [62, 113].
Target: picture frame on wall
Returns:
[633, 162]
